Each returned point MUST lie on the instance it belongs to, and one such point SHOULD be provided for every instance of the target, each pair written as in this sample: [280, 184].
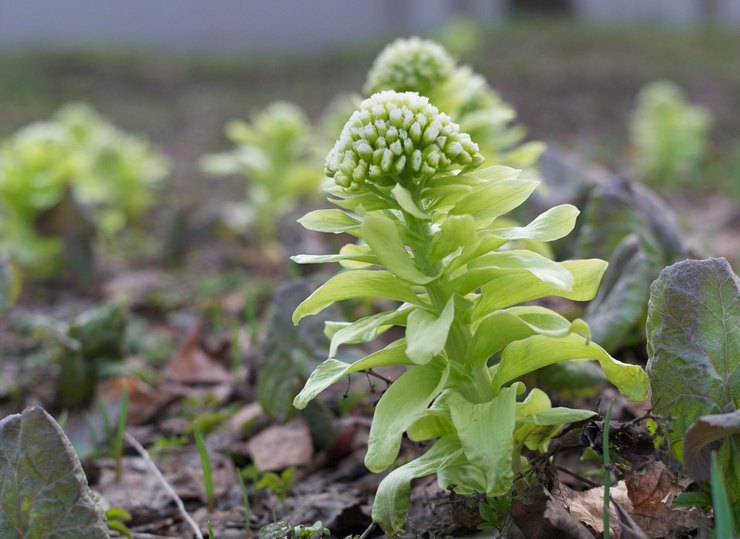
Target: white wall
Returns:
[221, 24]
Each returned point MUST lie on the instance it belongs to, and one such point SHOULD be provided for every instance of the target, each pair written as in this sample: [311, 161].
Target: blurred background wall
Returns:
[291, 24]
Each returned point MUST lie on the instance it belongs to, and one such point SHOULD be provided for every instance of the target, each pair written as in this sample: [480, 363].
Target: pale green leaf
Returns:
[400, 406]
[492, 265]
[323, 259]
[456, 232]
[494, 199]
[486, 433]
[557, 416]
[43, 489]
[382, 235]
[528, 355]
[355, 284]
[392, 498]
[502, 327]
[426, 334]
[552, 225]
[515, 288]
[333, 370]
[407, 204]
[367, 328]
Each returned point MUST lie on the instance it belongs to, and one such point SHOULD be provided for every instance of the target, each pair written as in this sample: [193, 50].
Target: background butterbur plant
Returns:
[423, 66]
[276, 153]
[408, 184]
[670, 135]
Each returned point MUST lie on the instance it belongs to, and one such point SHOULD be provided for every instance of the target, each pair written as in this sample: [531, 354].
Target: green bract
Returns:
[411, 64]
[434, 240]
[396, 137]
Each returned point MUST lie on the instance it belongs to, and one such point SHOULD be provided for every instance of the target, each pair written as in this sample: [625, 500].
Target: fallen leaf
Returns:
[587, 506]
[145, 401]
[540, 516]
[281, 446]
[193, 365]
[652, 491]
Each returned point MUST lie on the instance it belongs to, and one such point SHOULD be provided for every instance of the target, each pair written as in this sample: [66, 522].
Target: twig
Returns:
[576, 475]
[379, 376]
[367, 532]
[133, 442]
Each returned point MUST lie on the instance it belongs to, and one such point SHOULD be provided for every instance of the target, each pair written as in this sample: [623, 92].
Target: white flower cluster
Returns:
[395, 135]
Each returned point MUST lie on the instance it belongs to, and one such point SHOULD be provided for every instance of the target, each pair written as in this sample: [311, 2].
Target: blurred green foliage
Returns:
[276, 155]
[669, 134]
[58, 176]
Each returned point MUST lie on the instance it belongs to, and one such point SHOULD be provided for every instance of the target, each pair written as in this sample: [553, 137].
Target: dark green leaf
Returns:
[289, 353]
[621, 301]
[698, 443]
[693, 331]
[43, 490]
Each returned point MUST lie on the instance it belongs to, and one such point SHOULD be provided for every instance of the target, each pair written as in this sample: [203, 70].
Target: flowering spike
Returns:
[376, 146]
[410, 64]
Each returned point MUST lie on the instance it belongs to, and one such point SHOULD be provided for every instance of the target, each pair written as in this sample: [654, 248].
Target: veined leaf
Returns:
[392, 498]
[355, 284]
[486, 433]
[693, 331]
[551, 225]
[332, 221]
[43, 490]
[333, 370]
[382, 235]
[514, 288]
[426, 334]
[400, 406]
[528, 355]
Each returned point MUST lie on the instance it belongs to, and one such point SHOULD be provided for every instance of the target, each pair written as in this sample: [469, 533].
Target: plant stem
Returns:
[607, 467]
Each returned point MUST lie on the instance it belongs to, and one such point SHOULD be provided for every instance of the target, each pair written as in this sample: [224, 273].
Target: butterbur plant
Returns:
[409, 185]
[275, 152]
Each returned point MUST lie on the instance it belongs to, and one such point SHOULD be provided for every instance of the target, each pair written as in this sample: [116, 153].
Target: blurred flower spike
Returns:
[398, 137]
[410, 64]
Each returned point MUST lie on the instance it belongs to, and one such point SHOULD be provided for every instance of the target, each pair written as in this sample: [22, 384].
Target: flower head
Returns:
[395, 135]
[411, 64]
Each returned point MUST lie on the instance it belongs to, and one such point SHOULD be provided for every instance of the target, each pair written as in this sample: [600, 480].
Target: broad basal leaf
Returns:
[355, 284]
[693, 331]
[43, 490]
[399, 407]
